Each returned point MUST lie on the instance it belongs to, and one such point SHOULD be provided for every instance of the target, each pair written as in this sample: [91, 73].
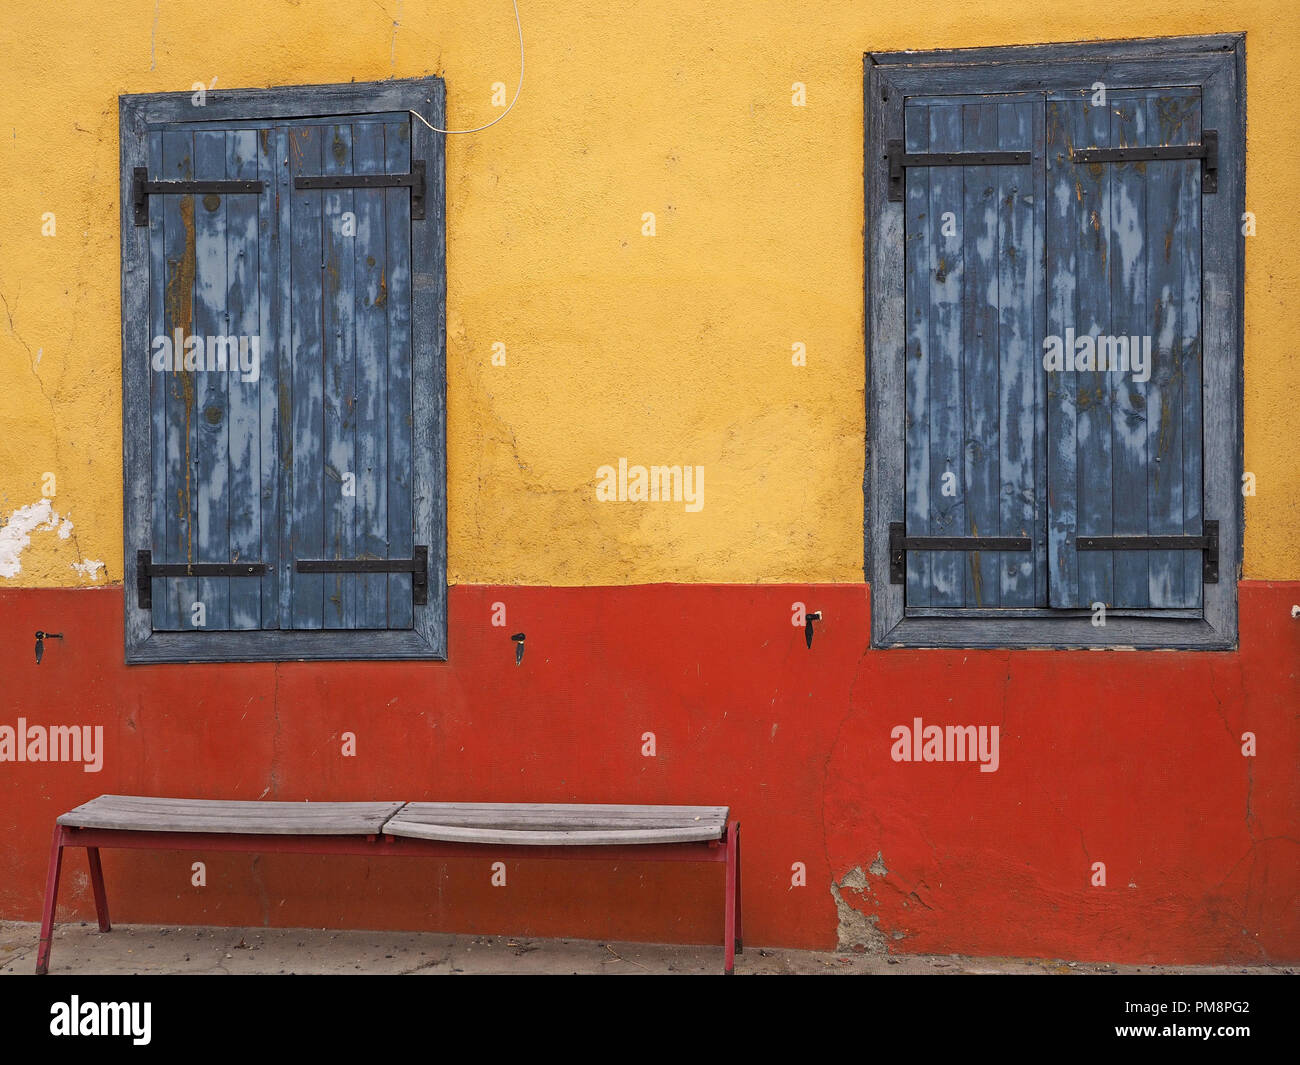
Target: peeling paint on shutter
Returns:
[312, 459]
[1124, 264]
[974, 382]
[207, 289]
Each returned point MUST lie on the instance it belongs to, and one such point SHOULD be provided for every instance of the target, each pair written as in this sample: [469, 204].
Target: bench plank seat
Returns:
[552, 824]
[135, 813]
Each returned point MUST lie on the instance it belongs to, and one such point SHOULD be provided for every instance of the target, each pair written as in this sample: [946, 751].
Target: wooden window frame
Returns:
[1215, 64]
[427, 639]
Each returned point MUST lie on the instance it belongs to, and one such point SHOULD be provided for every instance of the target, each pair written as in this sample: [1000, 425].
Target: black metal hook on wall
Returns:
[518, 637]
[41, 637]
[808, 620]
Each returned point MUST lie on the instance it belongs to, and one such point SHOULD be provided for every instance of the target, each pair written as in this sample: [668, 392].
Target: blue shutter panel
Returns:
[1124, 260]
[350, 403]
[208, 462]
[974, 383]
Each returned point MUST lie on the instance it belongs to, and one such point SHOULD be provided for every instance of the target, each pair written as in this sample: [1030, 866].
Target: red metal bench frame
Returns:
[725, 850]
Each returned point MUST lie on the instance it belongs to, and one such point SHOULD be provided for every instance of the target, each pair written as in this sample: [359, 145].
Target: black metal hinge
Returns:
[899, 160]
[414, 181]
[900, 543]
[142, 188]
[1207, 542]
[146, 569]
[417, 567]
[1207, 152]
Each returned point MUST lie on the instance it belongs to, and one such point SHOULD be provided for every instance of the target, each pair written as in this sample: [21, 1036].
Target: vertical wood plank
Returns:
[211, 460]
[1173, 235]
[1130, 315]
[1185, 248]
[371, 265]
[1064, 224]
[428, 320]
[277, 446]
[273, 287]
[979, 355]
[885, 273]
[244, 319]
[179, 235]
[307, 298]
[1222, 299]
[948, 291]
[401, 355]
[1095, 389]
[1020, 409]
[922, 235]
[339, 389]
[1042, 457]
[164, 616]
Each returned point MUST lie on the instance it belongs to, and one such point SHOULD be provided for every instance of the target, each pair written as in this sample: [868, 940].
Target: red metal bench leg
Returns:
[729, 921]
[740, 931]
[97, 885]
[51, 900]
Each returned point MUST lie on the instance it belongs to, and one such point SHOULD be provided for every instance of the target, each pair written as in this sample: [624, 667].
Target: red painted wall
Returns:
[1133, 759]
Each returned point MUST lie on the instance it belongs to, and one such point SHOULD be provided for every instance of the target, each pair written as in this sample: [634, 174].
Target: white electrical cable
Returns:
[476, 129]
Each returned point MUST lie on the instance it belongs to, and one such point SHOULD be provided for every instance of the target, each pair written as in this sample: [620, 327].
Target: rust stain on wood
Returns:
[178, 298]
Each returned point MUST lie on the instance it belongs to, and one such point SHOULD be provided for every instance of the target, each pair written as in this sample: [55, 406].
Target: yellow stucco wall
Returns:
[671, 349]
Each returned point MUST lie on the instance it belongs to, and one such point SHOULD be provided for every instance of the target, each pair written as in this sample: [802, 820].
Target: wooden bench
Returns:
[415, 829]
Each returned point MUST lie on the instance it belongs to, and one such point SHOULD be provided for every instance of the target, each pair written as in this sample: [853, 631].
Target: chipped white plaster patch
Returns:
[90, 569]
[15, 535]
[857, 931]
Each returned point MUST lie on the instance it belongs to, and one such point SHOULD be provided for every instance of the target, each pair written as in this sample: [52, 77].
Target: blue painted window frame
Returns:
[1215, 64]
[427, 639]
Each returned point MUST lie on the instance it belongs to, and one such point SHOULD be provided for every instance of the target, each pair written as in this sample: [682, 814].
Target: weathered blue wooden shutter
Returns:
[212, 434]
[310, 459]
[1124, 269]
[974, 382]
[350, 426]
